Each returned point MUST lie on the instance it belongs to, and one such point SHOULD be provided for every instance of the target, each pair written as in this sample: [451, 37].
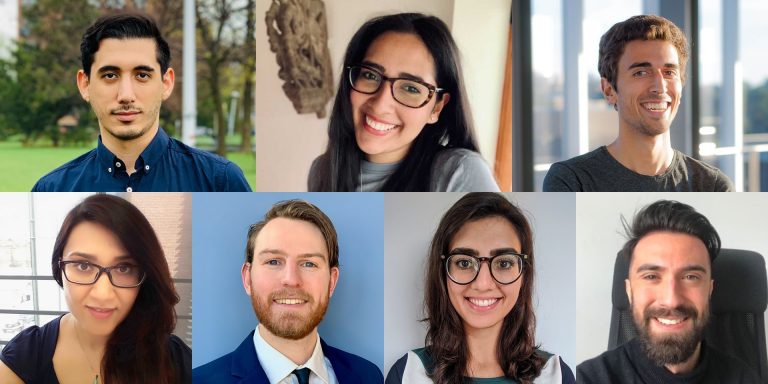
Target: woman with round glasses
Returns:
[479, 302]
[121, 298]
[400, 120]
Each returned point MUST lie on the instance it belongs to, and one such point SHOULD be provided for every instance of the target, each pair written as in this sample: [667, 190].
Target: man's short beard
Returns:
[288, 325]
[672, 348]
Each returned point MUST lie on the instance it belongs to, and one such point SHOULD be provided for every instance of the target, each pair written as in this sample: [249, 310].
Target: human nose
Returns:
[669, 293]
[383, 97]
[659, 83]
[484, 280]
[291, 276]
[125, 92]
[102, 288]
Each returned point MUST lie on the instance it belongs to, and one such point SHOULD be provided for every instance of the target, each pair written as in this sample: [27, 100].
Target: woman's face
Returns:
[483, 303]
[99, 307]
[384, 128]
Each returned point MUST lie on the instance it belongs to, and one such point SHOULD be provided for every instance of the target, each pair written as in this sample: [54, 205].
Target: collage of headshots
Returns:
[383, 192]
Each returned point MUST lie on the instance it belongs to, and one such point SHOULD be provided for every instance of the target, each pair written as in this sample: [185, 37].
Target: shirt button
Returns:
[129, 189]
[118, 164]
[146, 167]
[109, 169]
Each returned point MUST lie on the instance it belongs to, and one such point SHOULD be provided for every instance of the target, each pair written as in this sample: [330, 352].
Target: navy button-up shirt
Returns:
[166, 165]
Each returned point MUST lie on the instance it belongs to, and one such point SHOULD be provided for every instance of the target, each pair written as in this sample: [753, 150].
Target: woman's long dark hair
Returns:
[446, 340]
[137, 351]
[338, 169]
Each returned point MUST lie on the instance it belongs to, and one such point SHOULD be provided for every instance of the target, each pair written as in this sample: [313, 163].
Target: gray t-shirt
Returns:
[453, 170]
[598, 171]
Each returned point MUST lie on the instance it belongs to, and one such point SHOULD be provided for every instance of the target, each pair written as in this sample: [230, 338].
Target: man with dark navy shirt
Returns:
[125, 78]
[669, 286]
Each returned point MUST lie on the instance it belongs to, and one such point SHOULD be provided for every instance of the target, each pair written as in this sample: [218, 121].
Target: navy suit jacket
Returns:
[242, 367]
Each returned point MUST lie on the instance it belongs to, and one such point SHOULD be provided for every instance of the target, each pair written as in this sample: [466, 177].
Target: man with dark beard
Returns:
[669, 285]
[290, 273]
[126, 76]
[642, 67]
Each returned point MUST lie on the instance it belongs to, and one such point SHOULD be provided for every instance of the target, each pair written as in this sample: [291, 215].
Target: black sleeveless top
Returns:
[30, 354]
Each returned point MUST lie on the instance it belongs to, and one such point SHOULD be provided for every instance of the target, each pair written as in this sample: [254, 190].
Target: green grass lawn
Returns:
[20, 167]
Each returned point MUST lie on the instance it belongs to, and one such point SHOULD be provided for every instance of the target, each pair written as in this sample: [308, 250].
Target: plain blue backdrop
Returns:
[222, 312]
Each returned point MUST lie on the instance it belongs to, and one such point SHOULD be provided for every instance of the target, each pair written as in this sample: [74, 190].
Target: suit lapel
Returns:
[245, 364]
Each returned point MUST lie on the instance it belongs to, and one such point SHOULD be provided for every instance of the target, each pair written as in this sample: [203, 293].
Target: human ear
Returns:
[438, 108]
[609, 92]
[82, 85]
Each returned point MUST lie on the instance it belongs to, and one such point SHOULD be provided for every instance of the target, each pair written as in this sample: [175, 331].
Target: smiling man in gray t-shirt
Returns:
[642, 65]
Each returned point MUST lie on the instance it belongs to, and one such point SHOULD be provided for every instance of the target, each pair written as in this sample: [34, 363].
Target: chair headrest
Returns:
[740, 282]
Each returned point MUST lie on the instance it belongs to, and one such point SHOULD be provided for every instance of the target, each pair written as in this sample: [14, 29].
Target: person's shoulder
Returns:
[462, 170]
[554, 370]
[51, 182]
[228, 176]
[181, 355]
[367, 371]
[603, 368]
[31, 350]
[729, 367]
[216, 371]
[706, 175]
[564, 176]
[411, 368]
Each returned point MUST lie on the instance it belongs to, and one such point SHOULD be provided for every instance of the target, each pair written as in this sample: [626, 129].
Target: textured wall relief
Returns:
[298, 35]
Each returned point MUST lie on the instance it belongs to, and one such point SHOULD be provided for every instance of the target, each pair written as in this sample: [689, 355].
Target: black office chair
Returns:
[736, 325]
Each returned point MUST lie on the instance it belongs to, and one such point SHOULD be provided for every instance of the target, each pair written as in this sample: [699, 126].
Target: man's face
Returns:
[649, 82]
[669, 286]
[125, 87]
[290, 281]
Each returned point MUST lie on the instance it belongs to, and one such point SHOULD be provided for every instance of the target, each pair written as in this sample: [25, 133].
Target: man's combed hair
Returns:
[643, 27]
[446, 341]
[124, 25]
[298, 210]
[671, 216]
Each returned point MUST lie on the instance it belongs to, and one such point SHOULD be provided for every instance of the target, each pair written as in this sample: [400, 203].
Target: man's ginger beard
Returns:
[289, 324]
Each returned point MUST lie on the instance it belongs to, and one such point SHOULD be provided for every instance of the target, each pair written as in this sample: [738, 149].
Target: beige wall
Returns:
[286, 143]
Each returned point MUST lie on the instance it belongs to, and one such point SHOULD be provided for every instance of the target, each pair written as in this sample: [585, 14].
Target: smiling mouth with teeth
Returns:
[669, 321]
[662, 106]
[290, 301]
[379, 126]
[483, 302]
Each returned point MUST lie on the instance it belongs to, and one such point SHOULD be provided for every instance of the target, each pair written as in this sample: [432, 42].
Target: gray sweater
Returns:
[453, 170]
[598, 171]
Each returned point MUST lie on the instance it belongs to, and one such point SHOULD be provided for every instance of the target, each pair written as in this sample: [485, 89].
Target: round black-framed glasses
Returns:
[506, 268]
[82, 272]
[410, 92]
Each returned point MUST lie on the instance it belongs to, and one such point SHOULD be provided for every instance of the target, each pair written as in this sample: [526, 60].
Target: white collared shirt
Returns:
[279, 368]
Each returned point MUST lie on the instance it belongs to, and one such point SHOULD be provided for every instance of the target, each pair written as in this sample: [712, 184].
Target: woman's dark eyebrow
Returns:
[464, 251]
[401, 75]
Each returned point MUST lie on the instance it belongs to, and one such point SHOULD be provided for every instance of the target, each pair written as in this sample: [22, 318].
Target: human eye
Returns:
[650, 277]
[692, 277]
[412, 88]
[143, 76]
[109, 76]
[640, 73]
[82, 267]
[670, 73]
[463, 262]
[124, 269]
[308, 264]
[273, 263]
[367, 74]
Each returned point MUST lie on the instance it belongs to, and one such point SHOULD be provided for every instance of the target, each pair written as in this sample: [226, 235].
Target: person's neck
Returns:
[299, 351]
[483, 344]
[686, 366]
[643, 154]
[93, 345]
[128, 150]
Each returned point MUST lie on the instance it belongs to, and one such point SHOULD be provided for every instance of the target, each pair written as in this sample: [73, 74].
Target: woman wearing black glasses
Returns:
[479, 302]
[400, 120]
[121, 299]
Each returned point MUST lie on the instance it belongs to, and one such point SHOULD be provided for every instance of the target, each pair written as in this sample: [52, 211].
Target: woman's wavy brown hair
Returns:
[137, 351]
[445, 340]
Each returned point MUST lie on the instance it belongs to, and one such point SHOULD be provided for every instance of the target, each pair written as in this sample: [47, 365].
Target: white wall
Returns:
[286, 143]
[480, 29]
[737, 217]
[410, 222]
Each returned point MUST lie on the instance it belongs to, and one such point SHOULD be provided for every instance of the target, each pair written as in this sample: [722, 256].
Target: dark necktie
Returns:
[302, 375]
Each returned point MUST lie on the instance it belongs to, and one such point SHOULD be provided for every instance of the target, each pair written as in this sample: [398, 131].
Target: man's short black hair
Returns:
[671, 216]
[125, 25]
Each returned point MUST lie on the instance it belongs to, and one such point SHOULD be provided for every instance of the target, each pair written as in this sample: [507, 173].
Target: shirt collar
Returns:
[151, 155]
[277, 366]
